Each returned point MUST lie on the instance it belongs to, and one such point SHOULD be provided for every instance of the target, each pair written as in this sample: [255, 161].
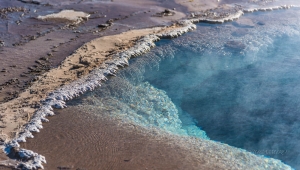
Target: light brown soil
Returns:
[198, 5]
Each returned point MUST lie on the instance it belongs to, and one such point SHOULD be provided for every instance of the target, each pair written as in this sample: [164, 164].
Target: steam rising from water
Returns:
[128, 96]
[239, 83]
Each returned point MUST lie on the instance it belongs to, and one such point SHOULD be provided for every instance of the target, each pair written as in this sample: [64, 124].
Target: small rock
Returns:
[2, 43]
[44, 58]
[32, 37]
[23, 75]
[77, 66]
[31, 2]
[167, 11]
[103, 25]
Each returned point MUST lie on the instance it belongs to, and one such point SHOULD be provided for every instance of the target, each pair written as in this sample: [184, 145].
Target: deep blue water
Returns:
[233, 84]
[255, 106]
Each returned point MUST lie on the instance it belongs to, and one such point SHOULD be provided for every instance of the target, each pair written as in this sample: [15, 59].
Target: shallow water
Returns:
[231, 83]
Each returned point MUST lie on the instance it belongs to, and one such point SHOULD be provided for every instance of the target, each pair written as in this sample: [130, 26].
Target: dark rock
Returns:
[31, 2]
[63, 168]
[31, 68]
[33, 38]
[167, 11]
[2, 43]
[110, 21]
[77, 66]
[103, 25]
[23, 75]
[44, 58]
[38, 62]
[36, 78]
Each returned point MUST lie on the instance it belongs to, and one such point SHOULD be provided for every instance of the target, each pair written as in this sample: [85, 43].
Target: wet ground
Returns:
[30, 46]
[213, 51]
[105, 144]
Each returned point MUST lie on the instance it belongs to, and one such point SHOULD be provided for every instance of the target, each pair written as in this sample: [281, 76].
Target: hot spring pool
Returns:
[234, 83]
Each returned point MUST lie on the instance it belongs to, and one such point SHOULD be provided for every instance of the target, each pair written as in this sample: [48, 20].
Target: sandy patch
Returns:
[66, 15]
[198, 5]
[166, 19]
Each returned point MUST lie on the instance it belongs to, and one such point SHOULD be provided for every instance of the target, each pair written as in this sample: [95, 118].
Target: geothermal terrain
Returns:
[54, 51]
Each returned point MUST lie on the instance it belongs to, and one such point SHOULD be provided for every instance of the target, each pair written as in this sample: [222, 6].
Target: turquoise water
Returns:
[234, 84]
[252, 105]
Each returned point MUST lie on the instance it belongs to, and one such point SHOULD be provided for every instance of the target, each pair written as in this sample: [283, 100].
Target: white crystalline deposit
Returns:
[230, 17]
[231, 14]
[57, 98]
[67, 15]
[34, 160]
[30, 159]
[186, 26]
[271, 8]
